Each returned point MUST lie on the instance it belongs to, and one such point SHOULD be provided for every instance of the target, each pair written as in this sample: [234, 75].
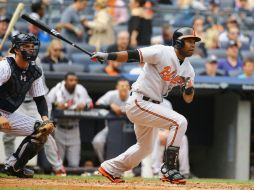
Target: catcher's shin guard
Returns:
[32, 144]
[169, 167]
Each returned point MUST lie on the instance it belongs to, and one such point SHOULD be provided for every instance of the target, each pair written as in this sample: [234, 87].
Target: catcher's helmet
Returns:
[24, 38]
[181, 34]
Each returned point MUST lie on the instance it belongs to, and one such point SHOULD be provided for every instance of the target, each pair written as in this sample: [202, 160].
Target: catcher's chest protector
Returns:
[13, 92]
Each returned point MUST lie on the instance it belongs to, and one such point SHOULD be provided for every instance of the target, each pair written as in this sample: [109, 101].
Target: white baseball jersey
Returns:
[60, 94]
[37, 88]
[162, 71]
[111, 97]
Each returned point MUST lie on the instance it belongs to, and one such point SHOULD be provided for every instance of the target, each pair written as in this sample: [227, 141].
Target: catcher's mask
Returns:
[183, 33]
[22, 39]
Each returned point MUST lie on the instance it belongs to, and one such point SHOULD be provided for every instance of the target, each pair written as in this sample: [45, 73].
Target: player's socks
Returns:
[109, 176]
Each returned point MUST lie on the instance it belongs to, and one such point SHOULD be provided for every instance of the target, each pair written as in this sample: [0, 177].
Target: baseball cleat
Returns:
[22, 173]
[61, 172]
[177, 181]
[109, 176]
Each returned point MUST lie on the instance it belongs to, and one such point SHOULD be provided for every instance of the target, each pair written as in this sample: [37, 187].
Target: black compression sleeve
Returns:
[42, 106]
[112, 56]
[133, 55]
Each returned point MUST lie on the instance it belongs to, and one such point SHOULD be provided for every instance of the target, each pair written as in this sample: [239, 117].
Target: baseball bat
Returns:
[13, 21]
[53, 32]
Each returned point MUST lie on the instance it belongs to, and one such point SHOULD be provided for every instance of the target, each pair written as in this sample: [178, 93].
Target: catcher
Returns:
[18, 76]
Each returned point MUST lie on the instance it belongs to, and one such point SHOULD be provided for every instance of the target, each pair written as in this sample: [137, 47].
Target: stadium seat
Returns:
[156, 31]
[45, 67]
[219, 53]
[247, 54]
[127, 67]
[43, 47]
[197, 63]
[68, 68]
[96, 68]
[81, 58]
[70, 50]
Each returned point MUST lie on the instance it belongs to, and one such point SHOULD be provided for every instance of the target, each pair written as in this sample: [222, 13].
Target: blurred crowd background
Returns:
[225, 27]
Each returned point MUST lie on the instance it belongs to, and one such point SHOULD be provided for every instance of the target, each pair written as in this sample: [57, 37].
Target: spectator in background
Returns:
[113, 68]
[69, 95]
[122, 42]
[233, 33]
[245, 12]
[4, 22]
[166, 36]
[115, 101]
[38, 11]
[118, 11]
[198, 26]
[101, 28]
[140, 24]
[248, 69]
[54, 54]
[232, 64]
[211, 67]
[71, 23]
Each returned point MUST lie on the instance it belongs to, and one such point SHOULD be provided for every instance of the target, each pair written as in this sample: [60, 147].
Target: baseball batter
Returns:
[165, 67]
[18, 76]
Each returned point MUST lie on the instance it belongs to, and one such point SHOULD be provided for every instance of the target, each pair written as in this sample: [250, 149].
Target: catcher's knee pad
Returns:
[42, 130]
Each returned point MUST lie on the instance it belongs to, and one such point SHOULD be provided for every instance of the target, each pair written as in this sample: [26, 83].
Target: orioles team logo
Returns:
[171, 76]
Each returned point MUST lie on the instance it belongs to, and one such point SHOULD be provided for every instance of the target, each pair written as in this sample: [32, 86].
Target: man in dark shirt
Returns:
[122, 44]
[211, 67]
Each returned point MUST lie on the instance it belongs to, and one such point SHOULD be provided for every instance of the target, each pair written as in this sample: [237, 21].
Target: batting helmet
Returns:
[23, 38]
[181, 34]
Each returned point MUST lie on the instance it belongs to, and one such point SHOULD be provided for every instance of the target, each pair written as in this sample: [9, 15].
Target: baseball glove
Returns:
[43, 128]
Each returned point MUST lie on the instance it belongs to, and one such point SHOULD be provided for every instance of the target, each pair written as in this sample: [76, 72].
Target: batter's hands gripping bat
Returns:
[53, 32]
[12, 23]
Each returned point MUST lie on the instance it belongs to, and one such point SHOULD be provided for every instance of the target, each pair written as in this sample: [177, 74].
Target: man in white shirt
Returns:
[115, 101]
[68, 94]
[165, 67]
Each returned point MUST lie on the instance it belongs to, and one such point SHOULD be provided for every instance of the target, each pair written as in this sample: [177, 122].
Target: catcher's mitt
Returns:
[43, 129]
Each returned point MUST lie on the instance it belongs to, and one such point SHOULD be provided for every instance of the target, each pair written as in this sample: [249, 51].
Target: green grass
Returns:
[99, 178]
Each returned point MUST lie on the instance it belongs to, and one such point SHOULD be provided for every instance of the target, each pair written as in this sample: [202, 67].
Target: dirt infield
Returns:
[101, 184]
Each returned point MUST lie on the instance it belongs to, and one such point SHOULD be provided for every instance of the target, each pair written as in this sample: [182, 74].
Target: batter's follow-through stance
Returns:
[17, 77]
[165, 67]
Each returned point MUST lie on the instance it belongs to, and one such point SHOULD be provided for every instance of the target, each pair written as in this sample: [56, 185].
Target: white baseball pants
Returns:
[147, 117]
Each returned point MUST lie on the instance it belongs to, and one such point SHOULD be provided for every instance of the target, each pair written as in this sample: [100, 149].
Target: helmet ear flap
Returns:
[179, 44]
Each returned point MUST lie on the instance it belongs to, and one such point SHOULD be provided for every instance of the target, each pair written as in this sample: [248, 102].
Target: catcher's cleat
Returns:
[109, 176]
[178, 181]
[21, 173]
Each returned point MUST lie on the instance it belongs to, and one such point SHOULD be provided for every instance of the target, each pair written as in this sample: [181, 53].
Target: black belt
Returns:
[149, 99]
[68, 127]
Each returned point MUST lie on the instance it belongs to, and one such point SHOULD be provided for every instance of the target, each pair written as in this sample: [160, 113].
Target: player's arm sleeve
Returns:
[5, 72]
[42, 106]
[150, 54]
